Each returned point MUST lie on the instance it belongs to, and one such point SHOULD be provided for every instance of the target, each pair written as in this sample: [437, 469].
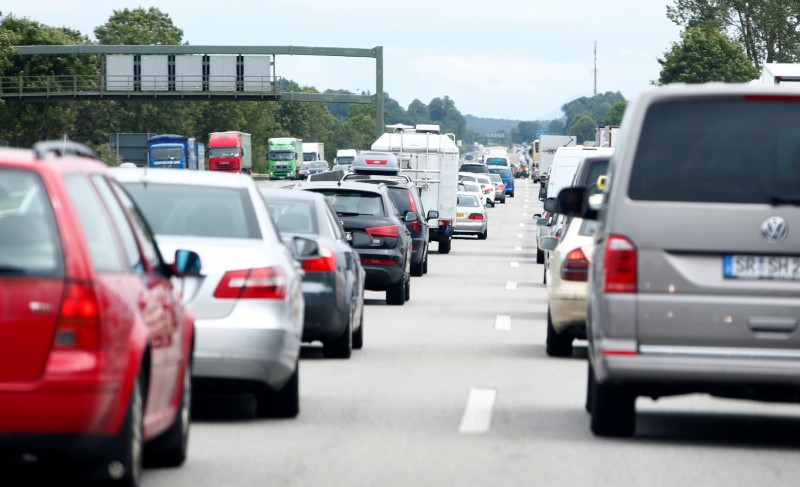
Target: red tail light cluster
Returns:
[326, 262]
[476, 216]
[488, 190]
[415, 223]
[620, 265]
[260, 283]
[368, 261]
[575, 267]
[79, 320]
[385, 231]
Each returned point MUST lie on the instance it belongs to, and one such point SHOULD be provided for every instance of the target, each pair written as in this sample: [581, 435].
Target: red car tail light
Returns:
[260, 283]
[326, 262]
[620, 265]
[368, 261]
[488, 190]
[385, 231]
[575, 267]
[476, 216]
[79, 320]
[501, 187]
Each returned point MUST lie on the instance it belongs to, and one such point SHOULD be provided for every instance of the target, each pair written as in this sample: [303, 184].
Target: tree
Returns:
[524, 132]
[556, 127]
[583, 127]
[418, 111]
[139, 27]
[614, 117]
[705, 54]
[767, 30]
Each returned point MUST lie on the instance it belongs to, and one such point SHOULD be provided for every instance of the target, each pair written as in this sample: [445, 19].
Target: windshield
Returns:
[309, 156]
[730, 151]
[355, 202]
[467, 200]
[166, 153]
[504, 172]
[497, 161]
[279, 155]
[224, 152]
[201, 211]
[293, 216]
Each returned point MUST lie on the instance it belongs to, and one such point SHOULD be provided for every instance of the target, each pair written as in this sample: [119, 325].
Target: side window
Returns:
[98, 231]
[126, 234]
[149, 247]
[333, 221]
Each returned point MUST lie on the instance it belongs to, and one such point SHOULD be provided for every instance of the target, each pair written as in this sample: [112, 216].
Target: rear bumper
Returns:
[568, 312]
[470, 227]
[324, 317]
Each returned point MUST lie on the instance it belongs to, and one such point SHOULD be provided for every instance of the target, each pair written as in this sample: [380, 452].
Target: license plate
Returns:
[761, 267]
[460, 215]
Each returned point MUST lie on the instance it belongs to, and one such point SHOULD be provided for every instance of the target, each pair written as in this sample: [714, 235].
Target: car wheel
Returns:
[126, 467]
[417, 270]
[512, 195]
[503, 201]
[284, 403]
[396, 294]
[425, 264]
[613, 410]
[539, 256]
[444, 247]
[544, 275]
[483, 235]
[589, 386]
[557, 345]
[341, 347]
[407, 290]
[169, 449]
[358, 335]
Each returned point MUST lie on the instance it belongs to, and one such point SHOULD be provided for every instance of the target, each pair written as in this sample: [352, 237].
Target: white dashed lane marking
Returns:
[478, 414]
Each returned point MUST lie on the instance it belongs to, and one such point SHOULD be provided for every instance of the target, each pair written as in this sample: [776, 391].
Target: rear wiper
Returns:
[777, 199]
[7, 269]
[347, 213]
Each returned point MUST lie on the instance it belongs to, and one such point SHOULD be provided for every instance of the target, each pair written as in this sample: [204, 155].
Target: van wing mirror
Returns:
[432, 215]
[550, 205]
[574, 202]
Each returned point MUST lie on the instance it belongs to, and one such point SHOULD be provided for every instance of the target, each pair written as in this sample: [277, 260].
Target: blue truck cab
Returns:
[176, 152]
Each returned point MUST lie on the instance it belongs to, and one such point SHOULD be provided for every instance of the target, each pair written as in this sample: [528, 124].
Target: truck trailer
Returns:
[230, 151]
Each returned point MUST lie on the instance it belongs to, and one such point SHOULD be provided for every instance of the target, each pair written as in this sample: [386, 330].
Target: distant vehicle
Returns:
[333, 281]
[248, 305]
[175, 152]
[90, 321]
[780, 74]
[473, 167]
[313, 151]
[679, 305]
[499, 188]
[497, 160]
[548, 145]
[230, 151]
[345, 157]
[507, 176]
[284, 157]
[471, 216]
[312, 167]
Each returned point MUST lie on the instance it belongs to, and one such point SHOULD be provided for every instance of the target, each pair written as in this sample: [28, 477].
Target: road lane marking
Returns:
[502, 322]
[514, 263]
[518, 247]
[519, 235]
[524, 214]
[525, 206]
[522, 224]
[478, 414]
[511, 286]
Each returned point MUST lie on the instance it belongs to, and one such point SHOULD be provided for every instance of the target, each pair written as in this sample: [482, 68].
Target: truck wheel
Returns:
[613, 410]
[557, 345]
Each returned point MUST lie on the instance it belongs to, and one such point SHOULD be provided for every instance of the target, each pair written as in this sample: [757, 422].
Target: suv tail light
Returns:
[620, 265]
[260, 283]
[575, 267]
[476, 216]
[385, 231]
[79, 320]
[326, 262]
[415, 223]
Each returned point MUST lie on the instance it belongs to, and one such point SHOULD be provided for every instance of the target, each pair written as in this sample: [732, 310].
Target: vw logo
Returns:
[774, 229]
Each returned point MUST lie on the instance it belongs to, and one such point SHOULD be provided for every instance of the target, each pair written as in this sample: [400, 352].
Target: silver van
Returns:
[694, 286]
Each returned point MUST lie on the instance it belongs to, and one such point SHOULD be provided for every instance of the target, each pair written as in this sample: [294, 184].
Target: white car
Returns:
[567, 267]
[486, 185]
[471, 216]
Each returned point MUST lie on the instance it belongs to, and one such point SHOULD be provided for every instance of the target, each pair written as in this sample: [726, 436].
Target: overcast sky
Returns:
[512, 59]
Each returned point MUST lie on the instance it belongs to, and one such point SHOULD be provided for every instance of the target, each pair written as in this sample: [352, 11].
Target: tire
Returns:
[341, 347]
[613, 410]
[396, 294]
[589, 386]
[418, 270]
[407, 290]
[544, 275]
[557, 345]
[503, 201]
[484, 235]
[444, 247]
[171, 447]
[284, 403]
[425, 264]
[358, 335]
[126, 467]
[512, 195]
[539, 256]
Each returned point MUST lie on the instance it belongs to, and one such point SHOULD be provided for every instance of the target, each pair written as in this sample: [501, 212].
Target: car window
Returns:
[98, 231]
[142, 229]
[294, 216]
[504, 172]
[128, 238]
[333, 220]
[467, 200]
[472, 187]
[400, 198]
[202, 211]
[355, 202]
[29, 240]
[587, 228]
[723, 150]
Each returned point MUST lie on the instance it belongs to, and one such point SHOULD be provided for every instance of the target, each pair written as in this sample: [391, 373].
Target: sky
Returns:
[512, 59]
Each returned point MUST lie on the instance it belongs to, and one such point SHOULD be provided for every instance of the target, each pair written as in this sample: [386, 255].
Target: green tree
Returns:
[583, 127]
[614, 117]
[525, 132]
[556, 127]
[139, 27]
[705, 54]
[768, 30]
[418, 111]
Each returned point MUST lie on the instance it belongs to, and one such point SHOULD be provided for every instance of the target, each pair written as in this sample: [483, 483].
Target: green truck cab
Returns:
[284, 157]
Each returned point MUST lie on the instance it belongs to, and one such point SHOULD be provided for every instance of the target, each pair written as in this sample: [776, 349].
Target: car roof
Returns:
[374, 188]
[30, 159]
[184, 176]
[288, 194]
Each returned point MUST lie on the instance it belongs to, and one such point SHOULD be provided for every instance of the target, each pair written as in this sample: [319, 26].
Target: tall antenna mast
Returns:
[595, 68]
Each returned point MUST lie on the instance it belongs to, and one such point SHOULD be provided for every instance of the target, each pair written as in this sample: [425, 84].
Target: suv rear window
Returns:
[729, 150]
[504, 172]
[29, 242]
[354, 202]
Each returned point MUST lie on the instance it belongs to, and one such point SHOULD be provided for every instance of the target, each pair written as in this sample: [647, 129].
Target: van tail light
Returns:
[385, 231]
[326, 262]
[575, 267]
[620, 265]
[79, 320]
[260, 283]
[476, 216]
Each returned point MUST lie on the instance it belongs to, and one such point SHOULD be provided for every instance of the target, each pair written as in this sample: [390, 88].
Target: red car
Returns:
[95, 343]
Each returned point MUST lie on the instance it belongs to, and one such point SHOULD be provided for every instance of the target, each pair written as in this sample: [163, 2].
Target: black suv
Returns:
[368, 209]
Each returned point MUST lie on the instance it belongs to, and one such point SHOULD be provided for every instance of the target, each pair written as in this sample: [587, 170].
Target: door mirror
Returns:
[548, 243]
[409, 217]
[433, 215]
[573, 202]
[304, 248]
[187, 263]
[550, 205]
[543, 222]
[536, 216]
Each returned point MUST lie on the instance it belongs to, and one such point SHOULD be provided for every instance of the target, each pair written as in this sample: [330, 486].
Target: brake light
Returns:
[415, 223]
[620, 265]
[511, 182]
[326, 262]
[415, 226]
[385, 231]
[488, 190]
[260, 283]
[501, 187]
[476, 216]
[575, 267]
[369, 261]
[79, 320]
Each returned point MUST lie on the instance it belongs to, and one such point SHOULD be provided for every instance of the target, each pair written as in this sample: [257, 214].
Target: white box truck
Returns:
[780, 74]
[430, 159]
[313, 151]
[548, 145]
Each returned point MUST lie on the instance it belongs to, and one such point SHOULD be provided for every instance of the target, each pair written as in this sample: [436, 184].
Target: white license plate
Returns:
[761, 267]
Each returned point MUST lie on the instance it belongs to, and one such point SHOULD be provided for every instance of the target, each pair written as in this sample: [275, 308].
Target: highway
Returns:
[455, 388]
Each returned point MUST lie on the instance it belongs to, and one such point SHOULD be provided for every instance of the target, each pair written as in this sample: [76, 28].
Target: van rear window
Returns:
[726, 150]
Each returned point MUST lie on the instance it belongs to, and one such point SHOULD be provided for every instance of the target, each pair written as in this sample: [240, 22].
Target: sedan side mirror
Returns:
[432, 215]
[536, 216]
[304, 248]
[543, 222]
[409, 217]
[550, 205]
[548, 243]
[187, 263]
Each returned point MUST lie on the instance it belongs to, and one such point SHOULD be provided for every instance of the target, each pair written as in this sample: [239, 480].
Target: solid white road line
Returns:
[502, 322]
[478, 415]
[511, 286]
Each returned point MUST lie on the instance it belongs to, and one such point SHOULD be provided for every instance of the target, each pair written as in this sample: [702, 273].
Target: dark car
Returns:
[474, 167]
[368, 208]
[312, 167]
[333, 283]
